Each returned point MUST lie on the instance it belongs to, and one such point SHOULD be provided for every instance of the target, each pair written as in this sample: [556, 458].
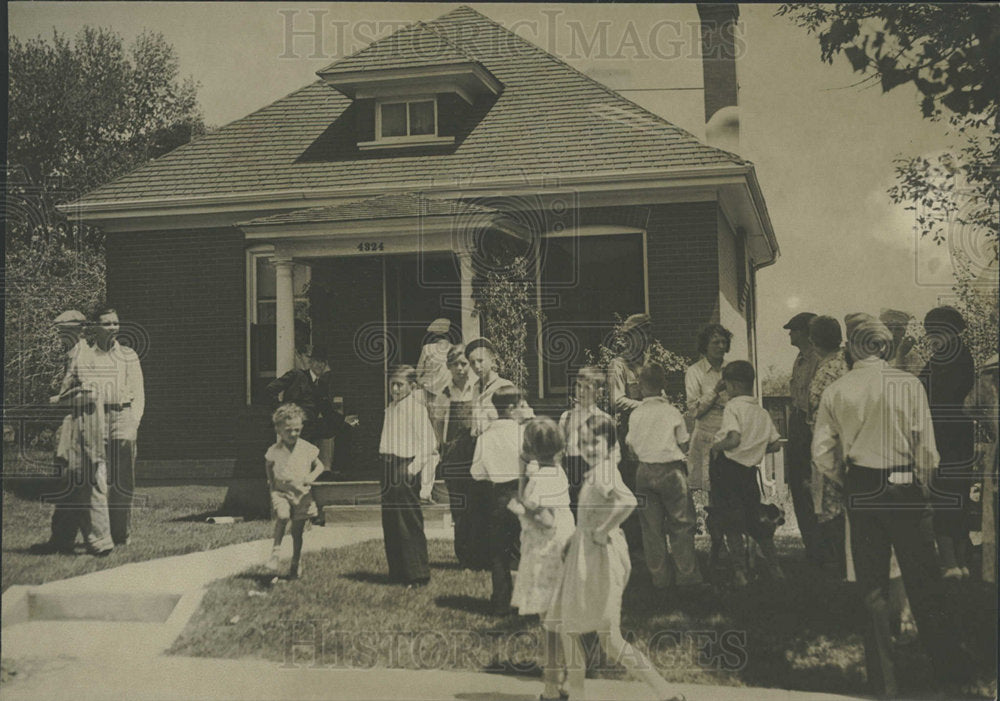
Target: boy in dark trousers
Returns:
[747, 433]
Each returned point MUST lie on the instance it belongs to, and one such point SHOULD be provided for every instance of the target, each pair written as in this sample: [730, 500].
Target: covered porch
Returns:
[365, 279]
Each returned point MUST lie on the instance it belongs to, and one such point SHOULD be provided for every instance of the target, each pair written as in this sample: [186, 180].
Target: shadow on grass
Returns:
[494, 696]
[464, 602]
[370, 578]
[446, 565]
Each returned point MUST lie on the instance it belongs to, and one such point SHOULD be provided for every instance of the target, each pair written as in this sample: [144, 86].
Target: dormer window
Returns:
[406, 119]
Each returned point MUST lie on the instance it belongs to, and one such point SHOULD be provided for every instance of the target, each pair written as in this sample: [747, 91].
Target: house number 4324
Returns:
[366, 246]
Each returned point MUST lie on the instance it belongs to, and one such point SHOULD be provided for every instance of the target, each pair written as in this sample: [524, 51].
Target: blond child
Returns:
[292, 465]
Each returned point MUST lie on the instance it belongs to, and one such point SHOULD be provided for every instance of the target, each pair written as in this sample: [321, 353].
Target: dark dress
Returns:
[948, 379]
[471, 526]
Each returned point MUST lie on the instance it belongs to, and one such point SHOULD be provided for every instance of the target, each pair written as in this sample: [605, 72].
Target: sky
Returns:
[823, 148]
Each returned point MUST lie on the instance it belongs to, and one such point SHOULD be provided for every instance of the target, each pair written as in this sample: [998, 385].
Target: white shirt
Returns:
[745, 416]
[876, 417]
[498, 452]
[572, 422]
[407, 431]
[115, 376]
[483, 411]
[655, 429]
[703, 404]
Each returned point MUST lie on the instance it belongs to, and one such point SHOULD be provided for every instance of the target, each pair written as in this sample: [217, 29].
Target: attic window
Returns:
[406, 122]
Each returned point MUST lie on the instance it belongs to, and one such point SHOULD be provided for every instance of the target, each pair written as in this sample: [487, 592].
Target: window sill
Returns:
[407, 142]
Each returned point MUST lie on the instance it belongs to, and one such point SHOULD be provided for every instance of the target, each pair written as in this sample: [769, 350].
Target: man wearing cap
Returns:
[74, 460]
[625, 396]
[878, 420]
[797, 457]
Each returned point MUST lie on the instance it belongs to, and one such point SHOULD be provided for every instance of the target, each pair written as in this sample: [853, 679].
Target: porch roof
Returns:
[389, 206]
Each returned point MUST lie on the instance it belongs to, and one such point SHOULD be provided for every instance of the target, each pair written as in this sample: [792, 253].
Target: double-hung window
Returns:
[406, 119]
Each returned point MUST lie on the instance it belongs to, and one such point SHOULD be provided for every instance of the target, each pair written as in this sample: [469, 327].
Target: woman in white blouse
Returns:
[706, 398]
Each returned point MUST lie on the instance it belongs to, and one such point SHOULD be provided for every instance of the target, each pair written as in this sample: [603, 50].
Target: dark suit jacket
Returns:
[316, 398]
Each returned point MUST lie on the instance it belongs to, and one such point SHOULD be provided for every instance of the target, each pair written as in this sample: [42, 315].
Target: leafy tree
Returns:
[80, 114]
[949, 53]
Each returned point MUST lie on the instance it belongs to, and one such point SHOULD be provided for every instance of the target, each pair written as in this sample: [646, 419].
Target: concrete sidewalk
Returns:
[173, 678]
[101, 636]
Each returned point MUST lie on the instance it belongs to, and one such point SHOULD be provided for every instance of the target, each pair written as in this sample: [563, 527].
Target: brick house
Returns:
[364, 202]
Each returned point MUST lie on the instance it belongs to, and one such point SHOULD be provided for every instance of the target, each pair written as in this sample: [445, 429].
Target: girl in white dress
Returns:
[542, 506]
[597, 567]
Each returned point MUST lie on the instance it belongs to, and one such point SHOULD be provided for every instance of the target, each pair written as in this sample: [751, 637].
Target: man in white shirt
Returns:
[77, 494]
[875, 420]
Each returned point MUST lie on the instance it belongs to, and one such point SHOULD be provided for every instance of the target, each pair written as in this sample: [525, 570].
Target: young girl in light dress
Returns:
[597, 567]
[542, 505]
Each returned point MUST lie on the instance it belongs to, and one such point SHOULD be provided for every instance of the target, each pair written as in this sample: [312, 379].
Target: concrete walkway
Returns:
[59, 651]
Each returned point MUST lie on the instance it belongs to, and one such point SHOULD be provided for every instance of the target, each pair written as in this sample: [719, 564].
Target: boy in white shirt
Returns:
[497, 462]
[747, 433]
[658, 437]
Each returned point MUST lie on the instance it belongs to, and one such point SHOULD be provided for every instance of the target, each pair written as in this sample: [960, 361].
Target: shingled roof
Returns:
[550, 120]
[416, 45]
[389, 206]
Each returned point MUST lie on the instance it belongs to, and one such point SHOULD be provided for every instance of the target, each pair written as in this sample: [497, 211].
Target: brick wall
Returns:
[184, 293]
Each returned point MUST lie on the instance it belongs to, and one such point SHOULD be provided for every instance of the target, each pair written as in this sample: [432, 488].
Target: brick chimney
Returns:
[718, 50]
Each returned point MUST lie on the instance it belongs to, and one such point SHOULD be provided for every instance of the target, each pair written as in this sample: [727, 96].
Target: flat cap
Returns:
[799, 321]
[70, 316]
[439, 326]
[891, 317]
[479, 343]
[635, 321]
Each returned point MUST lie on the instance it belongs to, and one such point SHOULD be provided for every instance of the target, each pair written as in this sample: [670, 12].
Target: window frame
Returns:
[581, 231]
[253, 255]
[406, 100]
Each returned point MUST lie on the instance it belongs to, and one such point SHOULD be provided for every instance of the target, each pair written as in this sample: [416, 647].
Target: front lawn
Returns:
[800, 634]
[165, 521]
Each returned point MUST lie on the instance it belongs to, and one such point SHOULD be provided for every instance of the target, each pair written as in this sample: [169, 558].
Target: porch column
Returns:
[284, 315]
[470, 318]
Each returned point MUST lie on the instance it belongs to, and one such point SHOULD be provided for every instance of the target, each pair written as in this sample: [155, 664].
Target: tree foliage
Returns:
[80, 114]
[949, 53]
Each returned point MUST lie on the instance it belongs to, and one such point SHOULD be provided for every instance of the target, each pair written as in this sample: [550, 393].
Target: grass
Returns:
[799, 634]
[165, 521]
